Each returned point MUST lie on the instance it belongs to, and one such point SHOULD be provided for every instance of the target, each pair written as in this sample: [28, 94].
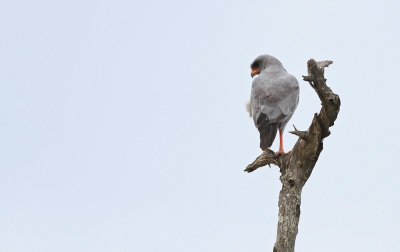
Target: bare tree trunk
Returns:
[296, 166]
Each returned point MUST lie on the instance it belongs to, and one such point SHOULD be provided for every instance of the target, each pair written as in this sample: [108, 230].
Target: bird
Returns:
[274, 99]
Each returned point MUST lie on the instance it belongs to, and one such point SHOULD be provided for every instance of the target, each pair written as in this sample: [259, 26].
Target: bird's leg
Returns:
[280, 151]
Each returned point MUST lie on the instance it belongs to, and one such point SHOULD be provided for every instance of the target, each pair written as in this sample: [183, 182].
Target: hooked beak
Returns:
[254, 72]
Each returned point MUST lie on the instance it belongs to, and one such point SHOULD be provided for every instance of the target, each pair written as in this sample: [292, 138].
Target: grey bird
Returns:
[274, 98]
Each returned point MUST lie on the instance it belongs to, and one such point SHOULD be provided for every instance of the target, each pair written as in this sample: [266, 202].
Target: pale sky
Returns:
[123, 125]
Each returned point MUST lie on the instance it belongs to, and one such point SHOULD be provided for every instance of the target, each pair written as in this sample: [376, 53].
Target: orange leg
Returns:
[281, 151]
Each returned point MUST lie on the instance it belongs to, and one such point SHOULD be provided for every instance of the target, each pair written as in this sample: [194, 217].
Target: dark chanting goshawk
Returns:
[274, 98]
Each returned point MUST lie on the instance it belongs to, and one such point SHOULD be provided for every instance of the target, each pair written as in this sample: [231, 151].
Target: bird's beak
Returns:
[254, 72]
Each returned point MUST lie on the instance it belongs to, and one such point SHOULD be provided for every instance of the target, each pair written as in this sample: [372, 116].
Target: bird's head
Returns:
[262, 62]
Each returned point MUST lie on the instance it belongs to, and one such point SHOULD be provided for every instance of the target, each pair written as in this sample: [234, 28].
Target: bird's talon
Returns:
[280, 153]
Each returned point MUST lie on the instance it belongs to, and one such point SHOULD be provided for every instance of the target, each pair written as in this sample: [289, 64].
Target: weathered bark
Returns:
[297, 166]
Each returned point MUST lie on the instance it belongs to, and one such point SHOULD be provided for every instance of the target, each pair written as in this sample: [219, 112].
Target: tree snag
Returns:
[297, 165]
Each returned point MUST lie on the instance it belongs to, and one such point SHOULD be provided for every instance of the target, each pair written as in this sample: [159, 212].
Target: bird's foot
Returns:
[280, 153]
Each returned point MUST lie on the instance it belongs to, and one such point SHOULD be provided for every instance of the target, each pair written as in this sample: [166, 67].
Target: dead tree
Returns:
[297, 165]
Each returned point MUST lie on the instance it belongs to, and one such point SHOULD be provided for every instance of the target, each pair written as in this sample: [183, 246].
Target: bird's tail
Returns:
[267, 131]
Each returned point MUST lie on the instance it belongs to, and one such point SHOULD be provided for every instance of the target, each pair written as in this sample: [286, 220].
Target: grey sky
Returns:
[124, 129]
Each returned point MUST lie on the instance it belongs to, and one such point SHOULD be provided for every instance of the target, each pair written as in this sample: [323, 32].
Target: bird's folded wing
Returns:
[275, 98]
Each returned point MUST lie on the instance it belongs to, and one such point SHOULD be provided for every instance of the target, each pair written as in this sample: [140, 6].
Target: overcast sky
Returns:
[123, 125]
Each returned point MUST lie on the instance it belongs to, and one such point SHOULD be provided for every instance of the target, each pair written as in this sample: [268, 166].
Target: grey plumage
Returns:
[274, 98]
